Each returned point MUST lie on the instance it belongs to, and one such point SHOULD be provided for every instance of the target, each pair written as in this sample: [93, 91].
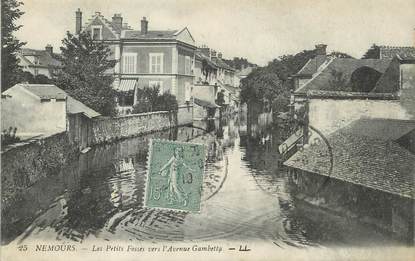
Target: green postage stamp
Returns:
[174, 175]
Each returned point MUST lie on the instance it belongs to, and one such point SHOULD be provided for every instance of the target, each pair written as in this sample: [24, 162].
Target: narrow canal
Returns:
[246, 196]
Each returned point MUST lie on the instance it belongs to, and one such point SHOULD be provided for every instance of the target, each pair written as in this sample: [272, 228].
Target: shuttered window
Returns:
[156, 63]
[129, 64]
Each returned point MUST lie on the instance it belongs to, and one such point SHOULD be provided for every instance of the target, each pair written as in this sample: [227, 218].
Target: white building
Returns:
[39, 109]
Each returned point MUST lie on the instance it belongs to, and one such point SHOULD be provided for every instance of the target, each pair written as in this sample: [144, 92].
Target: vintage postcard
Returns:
[207, 130]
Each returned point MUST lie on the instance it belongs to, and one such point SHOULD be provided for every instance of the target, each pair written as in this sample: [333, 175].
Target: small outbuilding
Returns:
[39, 109]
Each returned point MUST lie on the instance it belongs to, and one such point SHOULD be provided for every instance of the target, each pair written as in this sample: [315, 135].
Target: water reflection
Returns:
[246, 196]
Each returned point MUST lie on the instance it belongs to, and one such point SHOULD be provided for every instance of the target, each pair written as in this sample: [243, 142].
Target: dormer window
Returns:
[96, 32]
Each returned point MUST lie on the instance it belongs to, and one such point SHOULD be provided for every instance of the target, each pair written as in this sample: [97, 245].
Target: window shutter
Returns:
[129, 63]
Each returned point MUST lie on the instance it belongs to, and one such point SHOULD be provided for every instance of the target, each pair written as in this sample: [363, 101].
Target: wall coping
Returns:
[142, 114]
[351, 95]
[132, 115]
[185, 106]
[202, 84]
[29, 141]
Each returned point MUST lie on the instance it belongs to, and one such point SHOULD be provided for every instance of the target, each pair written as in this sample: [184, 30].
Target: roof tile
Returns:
[44, 58]
[364, 154]
[50, 91]
[321, 81]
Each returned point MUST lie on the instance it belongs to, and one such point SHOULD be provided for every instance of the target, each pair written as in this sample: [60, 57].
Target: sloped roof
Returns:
[222, 64]
[201, 56]
[74, 107]
[311, 67]
[183, 35]
[321, 81]
[291, 141]
[364, 155]
[167, 34]
[245, 72]
[44, 58]
[113, 28]
[390, 80]
[50, 91]
[389, 129]
[45, 91]
[389, 52]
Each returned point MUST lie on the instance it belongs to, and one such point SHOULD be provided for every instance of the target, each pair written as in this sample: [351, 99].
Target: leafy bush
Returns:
[273, 81]
[149, 99]
[166, 102]
[38, 79]
[9, 136]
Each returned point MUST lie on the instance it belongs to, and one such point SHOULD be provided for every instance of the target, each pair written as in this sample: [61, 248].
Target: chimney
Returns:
[78, 23]
[205, 50]
[144, 26]
[212, 54]
[49, 49]
[220, 55]
[321, 49]
[117, 20]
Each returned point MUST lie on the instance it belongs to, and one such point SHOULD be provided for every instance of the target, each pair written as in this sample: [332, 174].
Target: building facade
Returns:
[145, 58]
[39, 62]
[214, 77]
[39, 109]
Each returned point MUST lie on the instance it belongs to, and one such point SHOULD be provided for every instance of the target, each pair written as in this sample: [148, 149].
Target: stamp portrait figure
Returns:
[175, 175]
[171, 168]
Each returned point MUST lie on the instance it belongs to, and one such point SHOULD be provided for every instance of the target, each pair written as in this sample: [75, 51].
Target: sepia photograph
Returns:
[207, 130]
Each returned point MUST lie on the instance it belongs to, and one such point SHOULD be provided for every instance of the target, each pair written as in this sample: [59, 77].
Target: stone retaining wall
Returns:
[184, 115]
[25, 163]
[108, 129]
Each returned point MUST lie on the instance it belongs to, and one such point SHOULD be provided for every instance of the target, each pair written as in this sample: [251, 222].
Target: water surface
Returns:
[247, 197]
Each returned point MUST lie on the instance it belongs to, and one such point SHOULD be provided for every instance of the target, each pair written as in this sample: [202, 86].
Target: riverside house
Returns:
[332, 92]
[162, 58]
[39, 62]
[205, 86]
[39, 110]
[358, 138]
[213, 76]
[368, 173]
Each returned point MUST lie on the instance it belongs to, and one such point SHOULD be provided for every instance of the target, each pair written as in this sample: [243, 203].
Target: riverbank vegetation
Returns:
[11, 72]
[271, 85]
[84, 74]
[9, 137]
[269, 88]
[150, 99]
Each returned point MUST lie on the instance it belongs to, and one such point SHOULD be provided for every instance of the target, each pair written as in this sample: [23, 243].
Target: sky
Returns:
[259, 30]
